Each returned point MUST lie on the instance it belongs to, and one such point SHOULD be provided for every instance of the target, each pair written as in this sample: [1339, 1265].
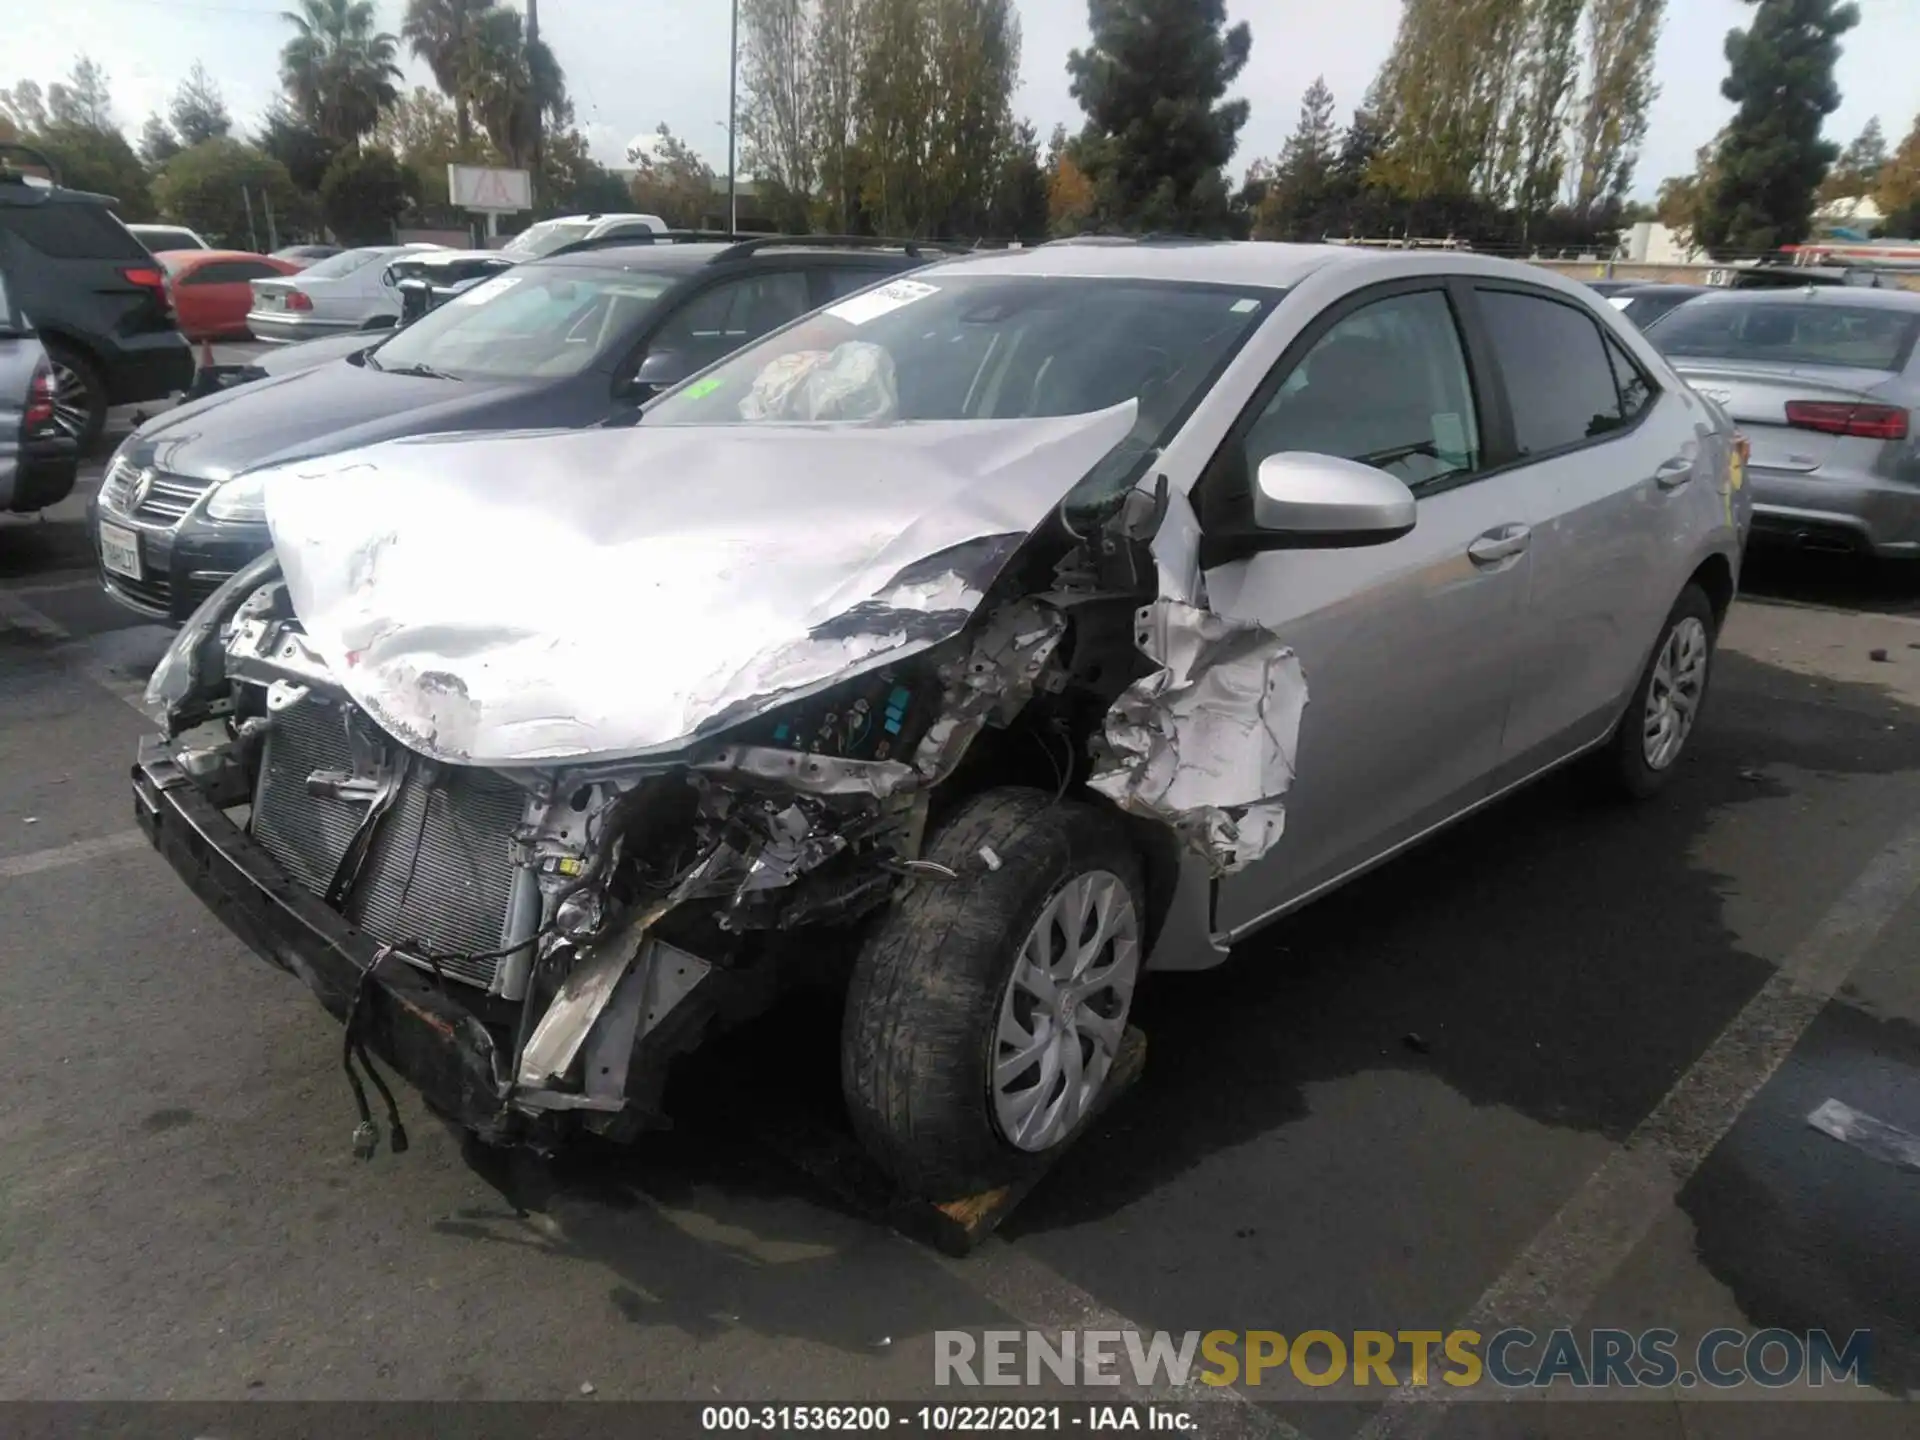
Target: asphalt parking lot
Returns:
[1554, 1068]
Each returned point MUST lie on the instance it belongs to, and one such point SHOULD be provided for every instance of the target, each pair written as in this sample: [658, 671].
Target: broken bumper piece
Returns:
[438, 1045]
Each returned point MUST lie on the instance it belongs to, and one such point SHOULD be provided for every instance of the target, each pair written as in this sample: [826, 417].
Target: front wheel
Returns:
[985, 1012]
[1660, 718]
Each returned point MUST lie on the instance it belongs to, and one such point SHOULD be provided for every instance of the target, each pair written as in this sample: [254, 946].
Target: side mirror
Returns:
[660, 369]
[1313, 502]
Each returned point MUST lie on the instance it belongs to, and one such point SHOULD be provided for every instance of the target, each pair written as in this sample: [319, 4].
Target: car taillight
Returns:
[1839, 417]
[40, 399]
[144, 275]
[296, 300]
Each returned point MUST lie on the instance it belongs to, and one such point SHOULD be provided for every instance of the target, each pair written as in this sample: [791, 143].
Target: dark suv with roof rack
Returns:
[97, 298]
[573, 340]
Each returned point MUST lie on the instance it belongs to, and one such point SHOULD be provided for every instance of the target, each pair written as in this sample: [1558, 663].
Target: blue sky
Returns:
[632, 64]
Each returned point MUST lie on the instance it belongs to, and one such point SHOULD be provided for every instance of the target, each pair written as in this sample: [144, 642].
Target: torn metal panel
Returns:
[991, 680]
[807, 773]
[518, 599]
[1207, 742]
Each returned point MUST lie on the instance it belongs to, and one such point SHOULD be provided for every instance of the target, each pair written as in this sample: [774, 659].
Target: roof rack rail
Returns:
[650, 237]
[835, 242]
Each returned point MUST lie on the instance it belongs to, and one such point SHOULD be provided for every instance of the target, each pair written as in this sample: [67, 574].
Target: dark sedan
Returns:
[565, 342]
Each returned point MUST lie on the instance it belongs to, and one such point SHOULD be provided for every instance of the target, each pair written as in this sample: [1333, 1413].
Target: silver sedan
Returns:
[341, 293]
[1824, 383]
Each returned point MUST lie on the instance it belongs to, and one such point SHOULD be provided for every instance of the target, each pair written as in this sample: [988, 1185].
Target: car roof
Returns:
[1238, 262]
[689, 255]
[1665, 287]
[202, 257]
[1850, 295]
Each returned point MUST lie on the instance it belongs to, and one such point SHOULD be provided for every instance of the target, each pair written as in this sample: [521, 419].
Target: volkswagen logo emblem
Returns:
[137, 492]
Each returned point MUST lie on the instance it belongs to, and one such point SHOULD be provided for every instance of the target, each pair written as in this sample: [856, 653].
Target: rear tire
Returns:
[959, 1073]
[1660, 719]
[79, 395]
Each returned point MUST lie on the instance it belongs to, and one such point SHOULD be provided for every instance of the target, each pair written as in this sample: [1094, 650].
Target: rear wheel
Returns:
[985, 1012]
[79, 395]
[1660, 718]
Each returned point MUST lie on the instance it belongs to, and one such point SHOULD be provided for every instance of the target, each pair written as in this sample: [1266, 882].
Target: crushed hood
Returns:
[523, 599]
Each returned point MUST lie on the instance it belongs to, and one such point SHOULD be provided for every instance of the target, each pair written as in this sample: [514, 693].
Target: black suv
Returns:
[578, 338]
[98, 299]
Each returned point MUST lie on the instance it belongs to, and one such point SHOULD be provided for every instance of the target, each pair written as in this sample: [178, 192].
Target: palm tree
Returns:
[512, 84]
[442, 33]
[339, 70]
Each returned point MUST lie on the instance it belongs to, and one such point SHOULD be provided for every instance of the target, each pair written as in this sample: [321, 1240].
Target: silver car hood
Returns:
[533, 598]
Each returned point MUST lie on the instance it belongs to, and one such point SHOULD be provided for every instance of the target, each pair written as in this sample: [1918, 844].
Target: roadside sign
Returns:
[488, 190]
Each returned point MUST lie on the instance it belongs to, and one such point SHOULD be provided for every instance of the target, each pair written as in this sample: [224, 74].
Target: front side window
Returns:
[1387, 386]
[528, 323]
[1560, 378]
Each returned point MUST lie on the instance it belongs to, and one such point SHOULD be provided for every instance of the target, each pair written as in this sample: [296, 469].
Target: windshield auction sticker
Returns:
[872, 304]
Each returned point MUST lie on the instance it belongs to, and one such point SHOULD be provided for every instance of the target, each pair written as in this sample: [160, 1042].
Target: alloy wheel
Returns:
[1673, 695]
[1065, 1010]
[72, 405]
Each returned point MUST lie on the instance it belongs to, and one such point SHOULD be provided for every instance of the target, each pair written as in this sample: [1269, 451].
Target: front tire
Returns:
[985, 1012]
[1665, 709]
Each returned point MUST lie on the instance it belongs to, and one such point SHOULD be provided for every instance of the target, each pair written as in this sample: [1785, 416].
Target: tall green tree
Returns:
[288, 137]
[339, 70]
[1857, 172]
[514, 85]
[26, 106]
[365, 191]
[1159, 128]
[834, 65]
[210, 187]
[1448, 82]
[1536, 129]
[1285, 197]
[198, 111]
[1773, 159]
[1619, 91]
[82, 100]
[1899, 186]
[776, 130]
[670, 179]
[158, 143]
[442, 33]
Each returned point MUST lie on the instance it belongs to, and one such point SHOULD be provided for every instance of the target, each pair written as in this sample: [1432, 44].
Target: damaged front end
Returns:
[531, 935]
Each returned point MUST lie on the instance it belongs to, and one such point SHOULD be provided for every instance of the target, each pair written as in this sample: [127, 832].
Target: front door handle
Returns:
[1674, 473]
[1501, 543]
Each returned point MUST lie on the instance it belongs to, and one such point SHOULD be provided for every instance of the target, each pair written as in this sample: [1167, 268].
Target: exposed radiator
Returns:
[438, 871]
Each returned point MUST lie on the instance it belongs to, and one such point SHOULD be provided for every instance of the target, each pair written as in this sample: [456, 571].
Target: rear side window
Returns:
[72, 231]
[1636, 391]
[1864, 337]
[230, 272]
[1559, 374]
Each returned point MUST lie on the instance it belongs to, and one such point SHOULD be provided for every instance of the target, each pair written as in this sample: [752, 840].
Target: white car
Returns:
[549, 235]
[343, 292]
[167, 237]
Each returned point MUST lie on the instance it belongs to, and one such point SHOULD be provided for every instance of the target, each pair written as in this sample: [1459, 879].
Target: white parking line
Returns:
[1557, 1277]
[73, 853]
[1033, 1293]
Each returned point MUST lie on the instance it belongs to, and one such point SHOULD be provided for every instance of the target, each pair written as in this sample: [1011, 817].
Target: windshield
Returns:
[345, 263]
[527, 324]
[980, 347]
[1851, 336]
[546, 237]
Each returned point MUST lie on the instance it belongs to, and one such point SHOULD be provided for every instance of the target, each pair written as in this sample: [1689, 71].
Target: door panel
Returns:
[1613, 456]
[1407, 647]
[1407, 653]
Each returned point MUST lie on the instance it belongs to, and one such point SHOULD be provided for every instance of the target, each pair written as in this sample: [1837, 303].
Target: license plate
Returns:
[120, 550]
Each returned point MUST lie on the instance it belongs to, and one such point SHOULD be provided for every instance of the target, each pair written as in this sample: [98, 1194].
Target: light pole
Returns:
[733, 122]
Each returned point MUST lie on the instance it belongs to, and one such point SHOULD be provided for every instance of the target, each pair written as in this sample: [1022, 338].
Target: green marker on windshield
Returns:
[703, 387]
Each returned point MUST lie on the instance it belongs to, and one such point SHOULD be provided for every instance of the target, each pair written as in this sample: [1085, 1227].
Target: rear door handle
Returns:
[1674, 473]
[1501, 543]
